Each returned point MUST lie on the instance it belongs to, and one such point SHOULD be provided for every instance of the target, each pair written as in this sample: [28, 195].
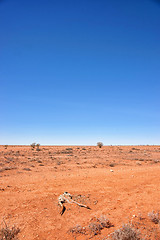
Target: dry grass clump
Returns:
[127, 232]
[104, 222]
[69, 149]
[154, 217]
[94, 228]
[99, 224]
[112, 164]
[7, 233]
[7, 169]
[78, 229]
[27, 169]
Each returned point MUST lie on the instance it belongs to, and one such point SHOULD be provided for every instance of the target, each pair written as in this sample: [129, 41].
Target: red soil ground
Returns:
[120, 182]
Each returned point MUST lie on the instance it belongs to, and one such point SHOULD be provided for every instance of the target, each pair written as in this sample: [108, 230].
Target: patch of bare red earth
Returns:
[31, 182]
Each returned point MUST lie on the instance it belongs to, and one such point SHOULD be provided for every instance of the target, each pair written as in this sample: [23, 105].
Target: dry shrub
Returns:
[7, 169]
[38, 145]
[99, 224]
[104, 222]
[154, 217]
[127, 232]
[7, 233]
[27, 169]
[112, 164]
[69, 149]
[94, 228]
[99, 144]
[78, 229]
[33, 145]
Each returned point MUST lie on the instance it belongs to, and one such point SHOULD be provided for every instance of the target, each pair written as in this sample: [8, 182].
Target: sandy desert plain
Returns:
[120, 184]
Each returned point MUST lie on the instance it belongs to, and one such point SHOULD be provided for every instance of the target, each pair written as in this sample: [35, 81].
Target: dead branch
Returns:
[67, 198]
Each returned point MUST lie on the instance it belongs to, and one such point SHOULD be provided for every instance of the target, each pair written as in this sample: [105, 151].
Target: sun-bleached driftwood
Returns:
[67, 198]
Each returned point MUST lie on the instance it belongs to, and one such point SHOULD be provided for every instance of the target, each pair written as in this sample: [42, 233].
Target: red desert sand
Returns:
[118, 184]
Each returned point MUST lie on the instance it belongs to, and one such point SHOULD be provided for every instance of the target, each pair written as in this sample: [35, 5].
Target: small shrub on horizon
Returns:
[33, 145]
[38, 145]
[99, 144]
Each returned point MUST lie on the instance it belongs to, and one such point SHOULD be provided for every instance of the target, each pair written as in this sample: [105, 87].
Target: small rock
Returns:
[111, 170]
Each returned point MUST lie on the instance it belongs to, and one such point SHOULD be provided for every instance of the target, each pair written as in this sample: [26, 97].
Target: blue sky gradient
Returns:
[80, 71]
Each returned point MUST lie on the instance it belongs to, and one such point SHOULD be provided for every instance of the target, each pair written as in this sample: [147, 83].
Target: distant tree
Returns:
[38, 145]
[99, 144]
[33, 145]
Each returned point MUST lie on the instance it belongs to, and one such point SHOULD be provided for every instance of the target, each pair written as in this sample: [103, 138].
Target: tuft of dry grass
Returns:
[112, 164]
[7, 233]
[94, 228]
[104, 222]
[78, 229]
[7, 169]
[127, 232]
[99, 224]
[154, 217]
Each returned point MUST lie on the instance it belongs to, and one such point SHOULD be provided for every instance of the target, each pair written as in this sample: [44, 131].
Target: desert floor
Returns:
[120, 183]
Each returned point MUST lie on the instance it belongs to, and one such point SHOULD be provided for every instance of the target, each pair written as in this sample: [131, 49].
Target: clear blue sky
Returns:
[80, 71]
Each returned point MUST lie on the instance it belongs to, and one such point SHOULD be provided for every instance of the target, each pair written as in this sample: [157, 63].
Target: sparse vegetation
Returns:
[38, 145]
[7, 233]
[87, 167]
[94, 228]
[33, 145]
[78, 229]
[7, 169]
[127, 232]
[66, 152]
[155, 161]
[27, 169]
[98, 224]
[154, 217]
[69, 149]
[104, 222]
[99, 144]
[112, 164]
